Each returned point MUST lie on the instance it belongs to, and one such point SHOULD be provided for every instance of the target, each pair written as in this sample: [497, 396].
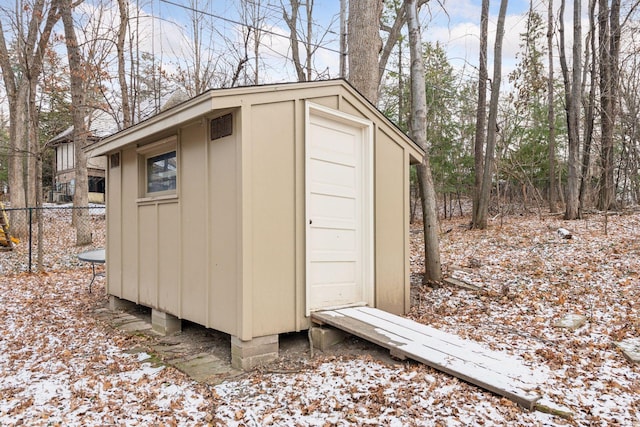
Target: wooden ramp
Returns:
[497, 372]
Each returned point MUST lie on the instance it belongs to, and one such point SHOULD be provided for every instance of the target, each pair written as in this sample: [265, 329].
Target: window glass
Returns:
[161, 172]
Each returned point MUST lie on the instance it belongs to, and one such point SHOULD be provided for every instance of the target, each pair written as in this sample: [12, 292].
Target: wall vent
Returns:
[115, 160]
[221, 126]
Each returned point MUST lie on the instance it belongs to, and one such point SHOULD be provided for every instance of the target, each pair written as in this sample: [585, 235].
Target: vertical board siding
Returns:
[148, 255]
[194, 224]
[129, 236]
[168, 260]
[273, 218]
[390, 213]
[224, 221]
[114, 231]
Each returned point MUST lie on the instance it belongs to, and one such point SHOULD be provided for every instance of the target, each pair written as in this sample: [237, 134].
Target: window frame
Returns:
[149, 151]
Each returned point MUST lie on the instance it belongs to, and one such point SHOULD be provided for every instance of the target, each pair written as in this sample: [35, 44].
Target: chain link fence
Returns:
[48, 234]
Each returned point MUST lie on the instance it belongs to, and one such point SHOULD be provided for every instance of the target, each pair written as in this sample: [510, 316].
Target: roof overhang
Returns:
[225, 99]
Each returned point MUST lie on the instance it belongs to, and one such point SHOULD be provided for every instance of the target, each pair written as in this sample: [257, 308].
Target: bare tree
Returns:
[253, 13]
[292, 22]
[487, 181]
[551, 115]
[200, 66]
[481, 115]
[303, 39]
[573, 98]
[80, 131]
[609, 39]
[393, 36]
[123, 29]
[21, 68]
[433, 268]
[590, 107]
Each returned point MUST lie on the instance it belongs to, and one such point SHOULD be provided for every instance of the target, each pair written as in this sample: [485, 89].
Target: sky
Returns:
[455, 26]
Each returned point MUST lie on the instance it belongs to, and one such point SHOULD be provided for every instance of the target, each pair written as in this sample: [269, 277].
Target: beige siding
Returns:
[168, 257]
[148, 255]
[194, 224]
[224, 220]
[390, 216]
[273, 218]
[325, 101]
[129, 236]
[302, 321]
[114, 231]
[347, 106]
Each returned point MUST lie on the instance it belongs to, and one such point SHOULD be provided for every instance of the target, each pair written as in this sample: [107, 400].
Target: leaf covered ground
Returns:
[60, 365]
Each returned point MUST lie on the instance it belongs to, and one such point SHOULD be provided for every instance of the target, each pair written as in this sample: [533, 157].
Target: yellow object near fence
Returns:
[6, 241]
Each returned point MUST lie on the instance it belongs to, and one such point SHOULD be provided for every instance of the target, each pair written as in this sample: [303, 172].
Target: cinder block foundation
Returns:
[165, 323]
[119, 304]
[324, 337]
[247, 355]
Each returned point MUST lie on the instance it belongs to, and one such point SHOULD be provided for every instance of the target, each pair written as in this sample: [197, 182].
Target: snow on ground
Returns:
[364, 392]
[531, 278]
[94, 208]
[61, 366]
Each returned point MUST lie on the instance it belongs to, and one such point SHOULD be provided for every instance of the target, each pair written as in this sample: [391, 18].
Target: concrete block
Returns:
[571, 321]
[247, 355]
[165, 323]
[324, 337]
[119, 304]
[630, 348]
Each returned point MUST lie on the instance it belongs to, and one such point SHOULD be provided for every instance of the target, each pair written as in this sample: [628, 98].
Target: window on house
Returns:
[161, 172]
[96, 184]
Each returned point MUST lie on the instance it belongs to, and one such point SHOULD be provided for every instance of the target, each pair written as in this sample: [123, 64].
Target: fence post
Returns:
[30, 236]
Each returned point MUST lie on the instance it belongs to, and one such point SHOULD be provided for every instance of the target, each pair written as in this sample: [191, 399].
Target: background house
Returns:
[246, 209]
[100, 124]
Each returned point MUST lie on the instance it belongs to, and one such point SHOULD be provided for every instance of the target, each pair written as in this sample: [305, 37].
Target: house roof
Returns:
[221, 99]
[101, 124]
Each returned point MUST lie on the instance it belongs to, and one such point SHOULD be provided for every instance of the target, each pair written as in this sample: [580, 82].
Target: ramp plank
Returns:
[495, 371]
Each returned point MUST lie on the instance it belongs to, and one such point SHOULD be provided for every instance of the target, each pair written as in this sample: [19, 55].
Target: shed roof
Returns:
[221, 99]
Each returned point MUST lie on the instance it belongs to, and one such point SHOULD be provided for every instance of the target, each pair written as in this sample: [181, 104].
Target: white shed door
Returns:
[338, 213]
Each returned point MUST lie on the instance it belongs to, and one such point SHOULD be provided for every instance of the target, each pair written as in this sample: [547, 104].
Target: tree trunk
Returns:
[393, 35]
[364, 46]
[17, 149]
[609, 38]
[573, 97]
[33, 148]
[292, 23]
[487, 181]
[18, 76]
[551, 115]
[40, 213]
[309, 41]
[433, 268]
[127, 117]
[343, 39]
[585, 175]
[78, 112]
[481, 114]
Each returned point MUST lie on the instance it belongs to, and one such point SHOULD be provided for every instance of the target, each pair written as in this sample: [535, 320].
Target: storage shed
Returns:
[246, 209]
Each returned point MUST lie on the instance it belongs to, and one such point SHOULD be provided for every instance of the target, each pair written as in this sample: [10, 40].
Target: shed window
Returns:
[161, 172]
